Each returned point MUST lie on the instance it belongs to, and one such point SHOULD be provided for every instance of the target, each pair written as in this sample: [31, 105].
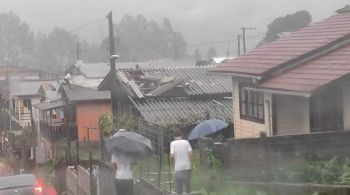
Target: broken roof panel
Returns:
[289, 47]
[49, 105]
[196, 79]
[167, 111]
[100, 70]
[313, 74]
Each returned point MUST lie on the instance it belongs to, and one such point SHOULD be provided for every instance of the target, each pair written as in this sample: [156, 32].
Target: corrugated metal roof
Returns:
[27, 88]
[78, 93]
[166, 111]
[314, 74]
[100, 70]
[49, 105]
[197, 77]
[289, 47]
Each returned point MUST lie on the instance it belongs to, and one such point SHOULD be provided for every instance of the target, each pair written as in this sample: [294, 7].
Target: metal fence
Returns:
[156, 169]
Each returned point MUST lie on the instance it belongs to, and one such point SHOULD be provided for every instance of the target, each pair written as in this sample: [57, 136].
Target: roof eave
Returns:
[280, 92]
[233, 74]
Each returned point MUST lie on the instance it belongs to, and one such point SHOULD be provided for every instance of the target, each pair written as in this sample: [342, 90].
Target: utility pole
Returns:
[78, 51]
[175, 46]
[113, 57]
[244, 38]
[238, 45]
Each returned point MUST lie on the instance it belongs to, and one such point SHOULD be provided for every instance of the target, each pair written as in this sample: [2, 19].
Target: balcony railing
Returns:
[53, 133]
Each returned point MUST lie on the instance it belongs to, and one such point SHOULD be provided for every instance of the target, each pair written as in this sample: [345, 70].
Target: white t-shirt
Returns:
[181, 149]
[123, 166]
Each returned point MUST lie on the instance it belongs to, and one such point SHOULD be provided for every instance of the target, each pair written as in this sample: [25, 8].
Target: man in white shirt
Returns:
[181, 153]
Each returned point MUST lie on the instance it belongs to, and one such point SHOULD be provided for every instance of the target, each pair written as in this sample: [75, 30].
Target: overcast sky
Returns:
[198, 20]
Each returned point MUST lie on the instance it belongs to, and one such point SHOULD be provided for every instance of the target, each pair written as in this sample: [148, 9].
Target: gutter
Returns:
[300, 94]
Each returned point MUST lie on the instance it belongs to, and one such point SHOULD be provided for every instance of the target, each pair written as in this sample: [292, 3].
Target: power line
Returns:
[86, 25]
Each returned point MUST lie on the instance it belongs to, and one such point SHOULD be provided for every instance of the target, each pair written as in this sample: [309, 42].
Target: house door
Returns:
[326, 110]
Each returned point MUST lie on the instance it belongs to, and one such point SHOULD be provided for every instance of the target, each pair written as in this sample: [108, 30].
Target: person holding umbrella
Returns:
[124, 182]
[126, 148]
[181, 153]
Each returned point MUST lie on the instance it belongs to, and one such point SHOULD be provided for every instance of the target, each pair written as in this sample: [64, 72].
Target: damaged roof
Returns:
[100, 70]
[180, 81]
[182, 110]
[49, 105]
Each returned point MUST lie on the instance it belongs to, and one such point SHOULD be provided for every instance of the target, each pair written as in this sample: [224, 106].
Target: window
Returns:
[27, 103]
[251, 105]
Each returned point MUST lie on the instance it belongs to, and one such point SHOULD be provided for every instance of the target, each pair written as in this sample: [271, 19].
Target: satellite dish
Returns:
[167, 79]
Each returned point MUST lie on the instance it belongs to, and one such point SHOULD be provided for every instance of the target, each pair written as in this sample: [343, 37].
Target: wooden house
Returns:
[165, 96]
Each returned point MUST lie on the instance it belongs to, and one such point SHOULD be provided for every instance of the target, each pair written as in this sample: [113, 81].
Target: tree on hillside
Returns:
[55, 51]
[17, 42]
[138, 39]
[289, 23]
[211, 53]
[197, 55]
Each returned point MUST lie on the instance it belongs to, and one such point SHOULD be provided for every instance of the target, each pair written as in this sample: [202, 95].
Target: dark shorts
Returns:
[183, 178]
[124, 186]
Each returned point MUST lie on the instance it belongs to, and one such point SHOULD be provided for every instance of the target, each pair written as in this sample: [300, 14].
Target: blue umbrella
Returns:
[207, 127]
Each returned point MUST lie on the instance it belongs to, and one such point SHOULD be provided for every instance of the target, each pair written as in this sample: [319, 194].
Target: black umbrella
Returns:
[129, 143]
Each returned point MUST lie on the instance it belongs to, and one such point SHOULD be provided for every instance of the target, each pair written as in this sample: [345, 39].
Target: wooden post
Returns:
[77, 153]
[92, 189]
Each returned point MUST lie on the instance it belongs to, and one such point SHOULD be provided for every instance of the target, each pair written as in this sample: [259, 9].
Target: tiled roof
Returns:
[314, 74]
[167, 111]
[289, 47]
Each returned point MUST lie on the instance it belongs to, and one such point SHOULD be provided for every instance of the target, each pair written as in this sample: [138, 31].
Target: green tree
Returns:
[106, 124]
[138, 39]
[55, 51]
[211, 53]
[17, 41]
[289, 23]
[197, 55]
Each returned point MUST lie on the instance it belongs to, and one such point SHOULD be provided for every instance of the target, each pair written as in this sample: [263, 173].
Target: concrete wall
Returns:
[346, 106]
[292, 115]
[255, 158]
[248, 129]
[88, 114]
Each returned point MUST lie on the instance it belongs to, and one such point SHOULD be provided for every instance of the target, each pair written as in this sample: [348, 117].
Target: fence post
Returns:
[77, 164]
[92, 189]
[169, 164]
[65, 157]
[160, 146]
[77, 153]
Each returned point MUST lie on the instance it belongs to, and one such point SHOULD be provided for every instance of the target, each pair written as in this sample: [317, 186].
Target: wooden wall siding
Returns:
[87, 115]
[346, 107]
[292, 115]
[244, 128]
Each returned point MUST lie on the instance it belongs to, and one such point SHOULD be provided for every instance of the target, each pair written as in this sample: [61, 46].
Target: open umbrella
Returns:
[129, 143]
[207, 127]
